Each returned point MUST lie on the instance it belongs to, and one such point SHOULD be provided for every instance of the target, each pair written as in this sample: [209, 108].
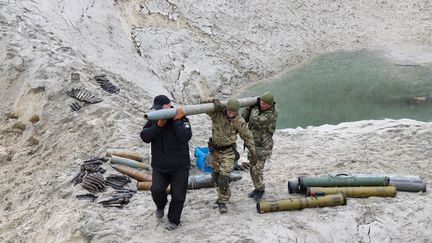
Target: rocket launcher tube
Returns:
[333, 181]
[407, 183]
[194, 109]
[361, 192]
[409, 186]
[128, 162]
[300, 203]
[408, 178]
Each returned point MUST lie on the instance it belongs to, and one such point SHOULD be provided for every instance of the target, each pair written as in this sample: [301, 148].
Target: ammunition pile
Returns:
[84, 95]
[119, 200]
[91, 179]
[94, 183]
[106, 85]
[117, 181]
[89, 166]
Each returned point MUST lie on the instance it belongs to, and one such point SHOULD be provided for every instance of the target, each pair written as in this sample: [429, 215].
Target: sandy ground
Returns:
[184, 49]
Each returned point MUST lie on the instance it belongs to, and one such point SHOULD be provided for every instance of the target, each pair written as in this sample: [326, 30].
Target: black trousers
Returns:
[178, 181]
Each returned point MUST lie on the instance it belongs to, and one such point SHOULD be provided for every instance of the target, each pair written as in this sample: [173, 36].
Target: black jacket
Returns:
[169, 144]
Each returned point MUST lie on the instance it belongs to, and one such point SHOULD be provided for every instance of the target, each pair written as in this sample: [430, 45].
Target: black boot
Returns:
[222, 208]
[253, 193]
[258, 195]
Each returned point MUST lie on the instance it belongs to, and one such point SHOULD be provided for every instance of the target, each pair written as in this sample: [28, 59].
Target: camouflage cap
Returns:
[233, 105]
[267, 97]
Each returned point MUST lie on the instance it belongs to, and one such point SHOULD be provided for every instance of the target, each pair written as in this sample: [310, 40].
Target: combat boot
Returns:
[222, 208]
[258, 195]
[159, 213]
[253, 193]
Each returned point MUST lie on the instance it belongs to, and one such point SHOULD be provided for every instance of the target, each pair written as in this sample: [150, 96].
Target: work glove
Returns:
[179, 113]
[218, 105]
[161, 123]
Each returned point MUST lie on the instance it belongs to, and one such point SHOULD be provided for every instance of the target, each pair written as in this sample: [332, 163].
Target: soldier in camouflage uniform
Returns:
[261, 120]
[227, 123]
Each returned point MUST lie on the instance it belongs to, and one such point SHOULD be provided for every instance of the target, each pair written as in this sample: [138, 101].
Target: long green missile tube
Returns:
[128, 162]
[367, 191]
[194, 109]
[333, 181]
[300, 203]
[407, 183]
[408, 178]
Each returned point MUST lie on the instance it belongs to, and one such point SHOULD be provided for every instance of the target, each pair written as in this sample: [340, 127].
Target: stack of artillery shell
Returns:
[84, 95]
[128, 162]
[194, 182]
[402, 183]
[124, 154]
[134, 174]
[300, 203]
[94, 183]
[118, 200]
[75, 106]
[106, 85]
[89, 166]
[117, 181]
[360, 192]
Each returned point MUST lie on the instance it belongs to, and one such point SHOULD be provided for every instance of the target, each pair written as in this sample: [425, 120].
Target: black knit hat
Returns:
[159, 101]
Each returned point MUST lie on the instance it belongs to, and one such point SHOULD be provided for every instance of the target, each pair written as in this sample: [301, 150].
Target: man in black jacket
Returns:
[170, 160]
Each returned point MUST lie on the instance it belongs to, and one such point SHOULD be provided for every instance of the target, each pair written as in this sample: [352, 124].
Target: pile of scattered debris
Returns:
[87, 96]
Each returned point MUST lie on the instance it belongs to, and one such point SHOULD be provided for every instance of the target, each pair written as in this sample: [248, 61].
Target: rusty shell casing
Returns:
[128, 162]
[134, 174]
[300, 203]
[366, 191]
[124, 154]
[146, 185]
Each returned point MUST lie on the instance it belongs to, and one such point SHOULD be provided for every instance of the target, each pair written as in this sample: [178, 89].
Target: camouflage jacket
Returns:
[262, 124]
[225, 130]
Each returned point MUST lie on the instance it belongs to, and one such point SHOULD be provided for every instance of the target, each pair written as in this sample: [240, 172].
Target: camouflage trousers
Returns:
[222, 165]
[257, 169]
